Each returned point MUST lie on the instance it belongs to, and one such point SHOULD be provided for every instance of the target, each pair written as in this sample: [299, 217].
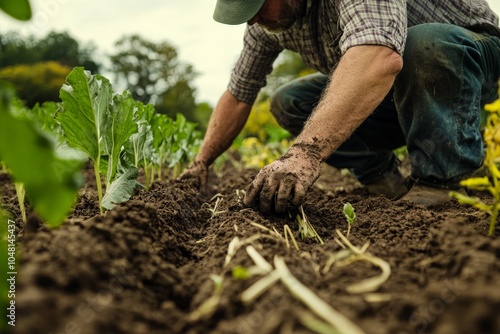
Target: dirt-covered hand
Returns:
[198, 171]
[286, 180]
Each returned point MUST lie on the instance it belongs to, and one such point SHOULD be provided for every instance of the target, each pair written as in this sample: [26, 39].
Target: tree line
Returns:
[152, 72]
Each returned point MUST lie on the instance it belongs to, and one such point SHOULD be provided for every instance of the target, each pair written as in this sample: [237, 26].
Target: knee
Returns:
[288, 107]
[432, 44]
[283, 103]
[293, 102]
[281, 100]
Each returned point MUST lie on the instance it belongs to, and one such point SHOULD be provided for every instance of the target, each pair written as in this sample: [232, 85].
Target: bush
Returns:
[39, 82]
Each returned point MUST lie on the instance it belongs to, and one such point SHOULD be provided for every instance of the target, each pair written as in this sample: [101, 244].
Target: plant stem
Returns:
[21, 192]
[147, 176]
[496, 202]
[98, 182]
[493, 220]
[159, 172]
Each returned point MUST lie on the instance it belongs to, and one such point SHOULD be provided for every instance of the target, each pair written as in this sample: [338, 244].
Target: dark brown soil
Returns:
[146, 266]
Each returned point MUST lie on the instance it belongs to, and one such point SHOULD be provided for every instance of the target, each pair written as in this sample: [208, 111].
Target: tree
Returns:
[65, 49]
[60, 47]
[17, 50]
[178, 99]
[154, 74]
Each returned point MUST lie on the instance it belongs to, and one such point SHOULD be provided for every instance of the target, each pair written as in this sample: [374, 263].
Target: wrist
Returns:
[200, 162]
[311, 150]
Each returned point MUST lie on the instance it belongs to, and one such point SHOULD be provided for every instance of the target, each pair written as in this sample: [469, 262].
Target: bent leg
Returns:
[448, 73]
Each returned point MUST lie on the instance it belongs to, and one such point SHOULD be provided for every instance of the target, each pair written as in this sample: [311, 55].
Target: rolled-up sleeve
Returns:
[373, 22]
[253, 65]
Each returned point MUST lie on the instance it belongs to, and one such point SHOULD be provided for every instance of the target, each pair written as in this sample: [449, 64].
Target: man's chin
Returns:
[276, 28]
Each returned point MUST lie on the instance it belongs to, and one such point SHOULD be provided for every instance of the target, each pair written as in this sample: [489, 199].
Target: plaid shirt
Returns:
[330, 27]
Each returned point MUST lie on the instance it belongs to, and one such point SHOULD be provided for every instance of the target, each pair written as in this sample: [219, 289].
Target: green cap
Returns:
[236, 11]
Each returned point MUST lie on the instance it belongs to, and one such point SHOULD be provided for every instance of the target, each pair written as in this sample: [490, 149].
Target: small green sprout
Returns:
[306, 230]
[217, 279]
[240, 273]
[350, 215]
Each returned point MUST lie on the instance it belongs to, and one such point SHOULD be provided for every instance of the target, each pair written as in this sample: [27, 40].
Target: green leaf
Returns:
[44, 117]
[86, 99]
[240, 273]
[18, 9]
[141, 144]
[349, 213]
[51, 182]
[121, 189]
[118, 128]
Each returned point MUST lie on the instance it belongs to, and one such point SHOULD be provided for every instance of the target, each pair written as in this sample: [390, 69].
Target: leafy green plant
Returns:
[350, 215]
[99, 124]
[44, 116]
[118, 127]
[121, 135]
[186, 140]
[140, 146]
[86, 100]
[490, 184]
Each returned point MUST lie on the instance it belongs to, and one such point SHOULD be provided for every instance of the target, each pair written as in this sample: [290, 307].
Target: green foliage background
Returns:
[38, 82]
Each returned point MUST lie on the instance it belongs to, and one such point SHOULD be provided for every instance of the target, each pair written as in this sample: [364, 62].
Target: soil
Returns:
[149, 264]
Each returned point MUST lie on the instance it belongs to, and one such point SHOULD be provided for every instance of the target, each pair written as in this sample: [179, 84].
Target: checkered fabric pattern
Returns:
[330, 27]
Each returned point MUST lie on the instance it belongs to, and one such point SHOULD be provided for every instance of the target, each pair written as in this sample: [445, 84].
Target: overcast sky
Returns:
[211, 47]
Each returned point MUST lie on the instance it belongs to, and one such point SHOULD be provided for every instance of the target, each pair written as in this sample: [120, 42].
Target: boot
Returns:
[392, 184]
[429, 196]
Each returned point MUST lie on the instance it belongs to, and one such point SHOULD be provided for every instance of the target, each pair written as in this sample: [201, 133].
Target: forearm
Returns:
[362, 79]
[226, 122]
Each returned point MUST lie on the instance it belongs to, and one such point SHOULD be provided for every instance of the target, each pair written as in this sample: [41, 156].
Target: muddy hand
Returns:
[286, 180]
[198, 171]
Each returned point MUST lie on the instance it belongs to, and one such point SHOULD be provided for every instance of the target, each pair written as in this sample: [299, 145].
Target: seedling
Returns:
[306, 230]
[121, 135]
[99, 124]
[215, 210]
[240, 273]
[350, 215]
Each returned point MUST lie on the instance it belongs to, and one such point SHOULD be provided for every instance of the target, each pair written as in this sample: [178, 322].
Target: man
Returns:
[391, 73]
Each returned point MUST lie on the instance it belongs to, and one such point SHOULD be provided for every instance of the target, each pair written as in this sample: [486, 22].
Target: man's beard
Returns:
[292, 11]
